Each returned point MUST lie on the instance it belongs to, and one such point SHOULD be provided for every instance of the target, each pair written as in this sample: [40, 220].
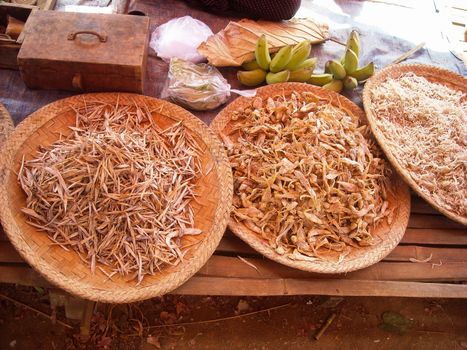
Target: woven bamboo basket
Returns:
[399, 196]
[6, 124]
[65, 268]
[432, 74]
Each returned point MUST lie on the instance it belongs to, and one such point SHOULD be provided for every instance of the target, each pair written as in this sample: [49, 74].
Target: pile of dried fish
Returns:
[425, 126]
[117, 190]
[308, 180]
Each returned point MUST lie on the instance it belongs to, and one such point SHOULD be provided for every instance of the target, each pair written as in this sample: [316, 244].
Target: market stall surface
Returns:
[431, 259]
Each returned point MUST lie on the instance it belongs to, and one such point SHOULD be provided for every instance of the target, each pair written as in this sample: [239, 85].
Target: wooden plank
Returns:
[8, 55]
[395, 271]
[231, 286]
[207, 285]
[435, 236]
[8, 253]
[422, 236]
[401, 253]
[443, 255]
[223, 266]
[46, 4]
[420, 206]
[233, 245]
[376, 288]
[3, 236]
[120, 6]
[433, 222]
[23, 275]
[258, 287]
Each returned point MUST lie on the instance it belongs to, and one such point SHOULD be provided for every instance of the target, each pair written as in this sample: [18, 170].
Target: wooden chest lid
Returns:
[86, 38]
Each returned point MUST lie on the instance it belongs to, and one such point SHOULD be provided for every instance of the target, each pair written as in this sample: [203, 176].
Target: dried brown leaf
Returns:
[236, 43]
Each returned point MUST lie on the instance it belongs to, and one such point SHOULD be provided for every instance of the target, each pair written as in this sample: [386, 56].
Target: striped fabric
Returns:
[273, 10]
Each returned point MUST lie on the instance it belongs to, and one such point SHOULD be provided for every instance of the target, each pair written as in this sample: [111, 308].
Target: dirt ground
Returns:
[265, 323]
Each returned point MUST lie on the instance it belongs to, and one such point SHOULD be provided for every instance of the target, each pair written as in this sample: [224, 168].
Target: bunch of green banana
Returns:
[290, 63]
[344, 74]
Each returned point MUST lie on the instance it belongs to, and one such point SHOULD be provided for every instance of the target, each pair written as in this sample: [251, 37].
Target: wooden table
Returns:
[430, 236]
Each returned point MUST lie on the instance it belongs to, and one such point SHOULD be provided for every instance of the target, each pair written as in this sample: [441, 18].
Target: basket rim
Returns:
[6, 123]
[435, 73]
[132, 293]
[381, 250]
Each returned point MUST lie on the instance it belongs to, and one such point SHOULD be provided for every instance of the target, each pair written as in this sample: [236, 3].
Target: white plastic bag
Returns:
[180, 38]
[198, 86]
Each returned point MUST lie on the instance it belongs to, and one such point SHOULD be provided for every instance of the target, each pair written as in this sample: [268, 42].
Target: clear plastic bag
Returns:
[197, 86]
[180, 38]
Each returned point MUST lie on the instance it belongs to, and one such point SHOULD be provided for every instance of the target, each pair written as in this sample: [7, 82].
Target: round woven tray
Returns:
[399, 196]
[65, 268]
[433, 74]
[6, 124]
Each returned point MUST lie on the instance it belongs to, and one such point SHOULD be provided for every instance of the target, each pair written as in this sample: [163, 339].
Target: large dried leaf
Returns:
[236, 43]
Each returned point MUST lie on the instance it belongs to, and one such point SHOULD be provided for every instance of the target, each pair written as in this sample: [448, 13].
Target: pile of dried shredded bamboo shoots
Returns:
[117, 190]
[307, 177]
[425, 126]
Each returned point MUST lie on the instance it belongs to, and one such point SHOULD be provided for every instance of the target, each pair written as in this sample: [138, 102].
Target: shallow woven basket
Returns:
[6, 124]
[433, 74]
[65, 269]
[359, 257]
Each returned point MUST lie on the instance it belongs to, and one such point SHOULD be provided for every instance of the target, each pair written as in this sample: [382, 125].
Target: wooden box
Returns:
[9, 46]
[18, 12]
[84, 52]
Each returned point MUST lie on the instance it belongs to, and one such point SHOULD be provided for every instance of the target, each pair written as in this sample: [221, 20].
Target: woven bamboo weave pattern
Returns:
[65, 269]
[432, 74]
[398, 196]
[6, 124]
